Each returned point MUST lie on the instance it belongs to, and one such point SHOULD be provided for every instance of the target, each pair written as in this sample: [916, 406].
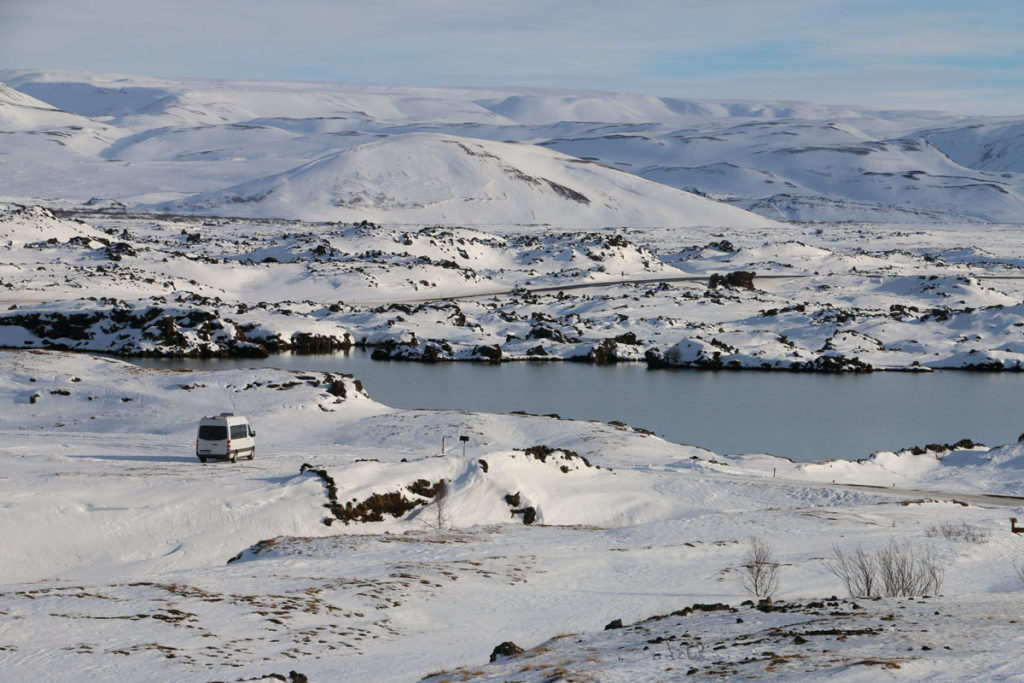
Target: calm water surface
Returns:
[800, 416]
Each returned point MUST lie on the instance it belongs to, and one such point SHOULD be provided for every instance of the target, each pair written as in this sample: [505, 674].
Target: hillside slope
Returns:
[150, 141]
[423, 178]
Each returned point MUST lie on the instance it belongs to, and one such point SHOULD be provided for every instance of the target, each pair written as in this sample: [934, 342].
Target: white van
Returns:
[226, 436]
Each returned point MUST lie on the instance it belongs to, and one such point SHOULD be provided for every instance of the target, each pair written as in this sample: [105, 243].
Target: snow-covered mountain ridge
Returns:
[147, 141]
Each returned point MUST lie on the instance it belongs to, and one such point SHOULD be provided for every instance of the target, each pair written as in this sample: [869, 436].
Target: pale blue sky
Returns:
[937, 54]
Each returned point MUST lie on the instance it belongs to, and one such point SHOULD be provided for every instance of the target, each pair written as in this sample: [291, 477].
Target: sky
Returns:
[959, 56]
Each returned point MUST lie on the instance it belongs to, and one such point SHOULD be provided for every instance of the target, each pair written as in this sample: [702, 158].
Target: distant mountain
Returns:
[193, 144]
[997, 147]
[19, 111]
[30, 122]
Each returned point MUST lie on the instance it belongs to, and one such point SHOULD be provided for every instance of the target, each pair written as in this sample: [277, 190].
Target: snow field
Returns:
[117, 541]
[133, 285]
[123, 558]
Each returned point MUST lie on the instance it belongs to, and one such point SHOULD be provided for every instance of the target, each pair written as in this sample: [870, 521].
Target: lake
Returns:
[806, 417]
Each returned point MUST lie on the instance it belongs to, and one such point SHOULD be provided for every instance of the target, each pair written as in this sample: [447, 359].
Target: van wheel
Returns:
[233, 456]
[202, 459]
[252, 453]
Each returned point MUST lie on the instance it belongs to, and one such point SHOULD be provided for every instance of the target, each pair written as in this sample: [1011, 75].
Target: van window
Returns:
[239, 431]
[213, 432]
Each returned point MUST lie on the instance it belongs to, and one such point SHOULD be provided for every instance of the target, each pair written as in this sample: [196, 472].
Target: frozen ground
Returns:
[834, 298]
[123, 557]
[239, 218]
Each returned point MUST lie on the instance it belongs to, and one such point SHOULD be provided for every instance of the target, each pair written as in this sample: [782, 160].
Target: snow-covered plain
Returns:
[170, 217]
[124, 557]
[846, 298]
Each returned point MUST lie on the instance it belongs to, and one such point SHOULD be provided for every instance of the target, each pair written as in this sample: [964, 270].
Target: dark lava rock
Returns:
[529, 514]
[374, 508]
[115, 251]
[946, 447]
[604, 353]
[833, 364]
[545, 332]
[506, 649]
[742, 279]
[74, 326]
[656, 359]
[432, 353]
[329, 484]
[491, 353]
[305, 342]
[422, 487]
[337, 388]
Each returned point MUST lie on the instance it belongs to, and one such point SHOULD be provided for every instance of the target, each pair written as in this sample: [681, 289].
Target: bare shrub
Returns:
[441, 501]
[435, 514]
[968, 533]
[760, 575]
[856, 570]
[901, 569]
[907, 570]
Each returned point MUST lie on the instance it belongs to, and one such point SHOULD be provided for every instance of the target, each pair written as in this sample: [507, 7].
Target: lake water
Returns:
[805, 417]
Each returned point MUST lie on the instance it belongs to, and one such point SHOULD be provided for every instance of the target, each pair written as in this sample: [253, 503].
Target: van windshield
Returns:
[213, 432]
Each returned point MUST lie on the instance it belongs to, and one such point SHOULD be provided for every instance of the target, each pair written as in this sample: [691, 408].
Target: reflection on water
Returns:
[800, 416]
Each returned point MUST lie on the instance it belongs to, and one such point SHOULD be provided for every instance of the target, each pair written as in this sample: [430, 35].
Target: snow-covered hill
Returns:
[148, 141]
[19, 111]
[996, 147]
[424, 177]
[826, 170]
[34, 131]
